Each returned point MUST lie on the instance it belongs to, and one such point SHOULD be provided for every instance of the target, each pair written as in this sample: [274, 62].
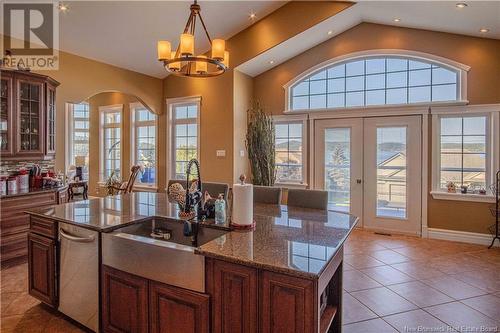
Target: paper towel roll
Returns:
[242, 204]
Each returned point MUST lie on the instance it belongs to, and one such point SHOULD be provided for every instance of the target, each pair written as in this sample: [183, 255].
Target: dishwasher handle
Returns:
[64, 234]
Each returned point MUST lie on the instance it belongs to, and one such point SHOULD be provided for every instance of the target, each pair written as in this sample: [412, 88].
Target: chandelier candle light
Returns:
[183, 62]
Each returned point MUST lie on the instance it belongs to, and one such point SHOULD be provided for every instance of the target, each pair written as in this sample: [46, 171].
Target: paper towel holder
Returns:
[242, 227]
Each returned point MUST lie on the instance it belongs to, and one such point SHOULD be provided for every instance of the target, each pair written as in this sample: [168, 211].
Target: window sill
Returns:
[440, 195]
[291, 185]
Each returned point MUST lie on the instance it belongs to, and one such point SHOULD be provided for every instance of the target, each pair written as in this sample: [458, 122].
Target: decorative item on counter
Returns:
[177, 193]
[452, 188]
[242, 216]
[220, 209]
[463, 189]
[3, 185]
[23, 180]
[12, 185]
[482, 191]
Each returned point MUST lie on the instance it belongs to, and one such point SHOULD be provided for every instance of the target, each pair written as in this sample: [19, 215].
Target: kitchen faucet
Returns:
[193, 200]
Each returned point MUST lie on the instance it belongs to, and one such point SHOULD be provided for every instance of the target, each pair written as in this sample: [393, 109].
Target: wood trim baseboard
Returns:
[461, 236]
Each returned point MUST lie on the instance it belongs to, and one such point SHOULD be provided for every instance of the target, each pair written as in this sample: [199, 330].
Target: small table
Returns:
[79, 183]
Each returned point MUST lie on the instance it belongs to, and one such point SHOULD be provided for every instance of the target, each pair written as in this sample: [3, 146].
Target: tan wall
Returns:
[217, 110]
[483, 55]
[81, 78]
[243, 95]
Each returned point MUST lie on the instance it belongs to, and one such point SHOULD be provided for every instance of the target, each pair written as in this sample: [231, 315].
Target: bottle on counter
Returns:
[220, 209]
[23, 180]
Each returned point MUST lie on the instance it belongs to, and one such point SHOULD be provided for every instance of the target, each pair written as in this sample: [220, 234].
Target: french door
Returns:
[371, 168]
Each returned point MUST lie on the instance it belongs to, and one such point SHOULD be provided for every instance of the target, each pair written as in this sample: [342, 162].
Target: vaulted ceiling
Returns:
[124, 33]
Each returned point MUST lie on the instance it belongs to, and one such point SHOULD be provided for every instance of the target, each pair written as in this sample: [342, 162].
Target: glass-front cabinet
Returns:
[6, 119]
[31, 114]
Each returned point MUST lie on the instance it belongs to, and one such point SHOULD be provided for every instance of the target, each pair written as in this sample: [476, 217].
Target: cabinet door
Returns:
[6, 115]
[50, 144]
[42, 268]
[30, 117]
[173, 309]
[124, 302]
[287, 304]
[234, 298]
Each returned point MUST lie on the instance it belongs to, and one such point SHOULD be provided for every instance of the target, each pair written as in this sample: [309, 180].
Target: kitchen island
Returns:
[283, 276]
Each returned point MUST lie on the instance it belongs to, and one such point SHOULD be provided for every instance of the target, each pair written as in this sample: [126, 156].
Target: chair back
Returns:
[129, 185]
[314, 199]
[267, 195]
[215, 188]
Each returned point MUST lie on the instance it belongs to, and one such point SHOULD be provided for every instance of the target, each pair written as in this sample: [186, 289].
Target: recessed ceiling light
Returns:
[271, 62]
[484, 30]
[252, 16]
[330, 32]
[62, 7]
[397, 19]
[461, 5]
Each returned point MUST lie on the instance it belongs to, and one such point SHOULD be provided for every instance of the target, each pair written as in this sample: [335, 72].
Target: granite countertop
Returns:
[32, 191]
[291, 240]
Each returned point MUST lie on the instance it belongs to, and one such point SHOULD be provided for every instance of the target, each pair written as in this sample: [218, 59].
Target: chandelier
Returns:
[183, 62]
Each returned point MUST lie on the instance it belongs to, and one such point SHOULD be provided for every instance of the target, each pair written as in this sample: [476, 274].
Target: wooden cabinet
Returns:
[287, 304]
[134, 304]
[42, 268]
[6, 114]
[124, 302]
[233, 289]
[28, 113]
[15, 224]
[173, 309]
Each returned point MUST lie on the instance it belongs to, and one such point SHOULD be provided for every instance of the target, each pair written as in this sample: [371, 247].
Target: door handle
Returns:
[358, 181]
[64, 234]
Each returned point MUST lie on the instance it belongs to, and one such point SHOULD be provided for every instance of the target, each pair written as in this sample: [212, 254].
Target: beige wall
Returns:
[243, 95]
[218, 112]
[81, 78]
[481, 54]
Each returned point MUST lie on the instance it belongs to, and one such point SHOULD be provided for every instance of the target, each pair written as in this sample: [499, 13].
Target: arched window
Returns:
[377, 79]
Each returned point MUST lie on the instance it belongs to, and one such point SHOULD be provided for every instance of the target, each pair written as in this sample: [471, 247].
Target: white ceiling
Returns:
[430, 15]
[124, 33]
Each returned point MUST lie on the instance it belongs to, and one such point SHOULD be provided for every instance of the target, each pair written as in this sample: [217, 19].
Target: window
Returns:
[111, 117]
[375, 80]
[78, 133]
[144, 143]
[289, 143]
[463, 151]
[184, 129]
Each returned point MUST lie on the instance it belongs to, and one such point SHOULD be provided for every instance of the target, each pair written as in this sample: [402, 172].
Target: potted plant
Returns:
[260, 143]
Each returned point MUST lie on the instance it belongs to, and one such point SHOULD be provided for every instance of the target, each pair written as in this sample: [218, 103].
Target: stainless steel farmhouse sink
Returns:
[158, 250]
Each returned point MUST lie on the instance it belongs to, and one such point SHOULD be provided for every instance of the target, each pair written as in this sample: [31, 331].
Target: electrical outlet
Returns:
[220, 153]
[242, 153]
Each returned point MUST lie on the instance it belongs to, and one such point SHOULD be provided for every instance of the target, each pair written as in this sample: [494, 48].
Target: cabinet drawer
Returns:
[43, 227]
[29, 201]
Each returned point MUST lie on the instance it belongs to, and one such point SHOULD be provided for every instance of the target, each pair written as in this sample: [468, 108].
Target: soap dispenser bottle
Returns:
[220, 209]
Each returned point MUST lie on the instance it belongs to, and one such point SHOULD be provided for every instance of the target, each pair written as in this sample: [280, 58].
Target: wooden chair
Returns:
[267, 195]
[126, 187]
[314, 199]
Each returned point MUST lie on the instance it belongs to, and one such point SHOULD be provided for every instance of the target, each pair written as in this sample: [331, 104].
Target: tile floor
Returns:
[392, 284]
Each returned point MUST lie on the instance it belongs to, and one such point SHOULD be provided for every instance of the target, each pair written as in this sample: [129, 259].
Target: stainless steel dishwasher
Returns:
[79, 275]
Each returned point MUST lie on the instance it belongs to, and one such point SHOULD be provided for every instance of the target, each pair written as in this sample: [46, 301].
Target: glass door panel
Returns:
[5, 100]
[391, 172]
[338, 168]
[30, 106]
[338, 147]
